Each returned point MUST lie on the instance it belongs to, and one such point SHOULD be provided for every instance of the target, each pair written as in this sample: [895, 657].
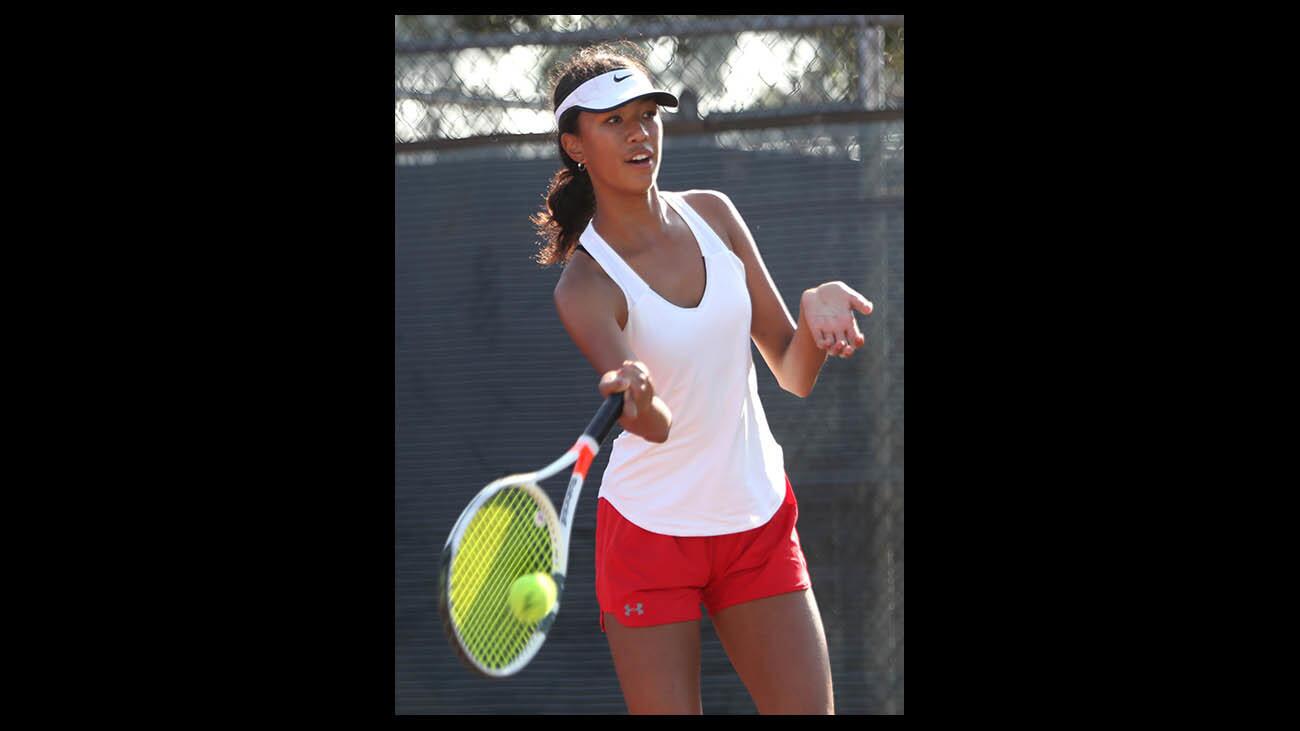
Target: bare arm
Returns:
[795, 350]
[590, 305]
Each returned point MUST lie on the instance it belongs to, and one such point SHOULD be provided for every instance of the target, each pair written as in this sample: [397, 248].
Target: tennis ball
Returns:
[532, 596]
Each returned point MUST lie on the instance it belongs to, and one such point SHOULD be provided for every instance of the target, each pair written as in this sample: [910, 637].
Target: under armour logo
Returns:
[627, 609]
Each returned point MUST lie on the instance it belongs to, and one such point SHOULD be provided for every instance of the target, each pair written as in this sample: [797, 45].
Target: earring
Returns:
[581, 167]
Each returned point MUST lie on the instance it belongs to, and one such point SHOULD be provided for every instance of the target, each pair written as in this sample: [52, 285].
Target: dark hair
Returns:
[570, 199]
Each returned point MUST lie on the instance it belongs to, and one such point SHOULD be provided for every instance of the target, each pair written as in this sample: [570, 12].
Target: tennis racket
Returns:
[508, 530]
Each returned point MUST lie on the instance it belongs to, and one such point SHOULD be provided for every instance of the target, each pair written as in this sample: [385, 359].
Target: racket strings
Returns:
[507, 538]
[492, 628]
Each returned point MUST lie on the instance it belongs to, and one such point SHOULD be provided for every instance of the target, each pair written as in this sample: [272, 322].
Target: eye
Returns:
[615, 119]
[652, 113]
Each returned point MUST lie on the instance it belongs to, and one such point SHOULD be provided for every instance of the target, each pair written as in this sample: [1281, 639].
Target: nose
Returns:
[638, 132]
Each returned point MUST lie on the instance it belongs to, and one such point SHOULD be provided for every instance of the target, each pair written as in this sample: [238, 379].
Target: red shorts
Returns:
[646, 578]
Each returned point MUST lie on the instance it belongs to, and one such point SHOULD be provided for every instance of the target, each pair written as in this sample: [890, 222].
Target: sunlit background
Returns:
[455, 90]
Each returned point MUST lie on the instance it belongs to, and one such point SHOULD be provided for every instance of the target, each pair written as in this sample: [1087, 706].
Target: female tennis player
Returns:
[695, 506]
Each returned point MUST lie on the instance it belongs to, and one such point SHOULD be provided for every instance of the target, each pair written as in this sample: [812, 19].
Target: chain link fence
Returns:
[465, 76]
[799, 119]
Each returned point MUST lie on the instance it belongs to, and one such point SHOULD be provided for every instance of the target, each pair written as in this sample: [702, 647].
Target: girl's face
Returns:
[620, 147]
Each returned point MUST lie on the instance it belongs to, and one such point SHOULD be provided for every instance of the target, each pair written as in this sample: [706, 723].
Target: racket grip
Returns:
[606, 416]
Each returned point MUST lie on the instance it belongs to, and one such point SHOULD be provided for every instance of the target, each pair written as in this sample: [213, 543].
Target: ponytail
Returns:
[570, 204]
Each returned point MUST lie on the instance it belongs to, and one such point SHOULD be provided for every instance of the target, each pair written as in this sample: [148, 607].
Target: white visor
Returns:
[612, 90]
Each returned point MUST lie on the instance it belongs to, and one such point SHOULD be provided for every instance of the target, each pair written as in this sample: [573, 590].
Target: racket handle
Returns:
[606, 416]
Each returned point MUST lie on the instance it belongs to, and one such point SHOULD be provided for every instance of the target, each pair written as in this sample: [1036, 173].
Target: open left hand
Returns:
[829, 311]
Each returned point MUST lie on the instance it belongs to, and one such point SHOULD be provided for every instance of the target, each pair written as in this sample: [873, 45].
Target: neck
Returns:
[630, 219]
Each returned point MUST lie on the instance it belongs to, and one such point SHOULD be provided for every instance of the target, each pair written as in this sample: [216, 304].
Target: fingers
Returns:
[853, 337]
[834, 342]
[615, 382]
[842, 343]
[638, 379]
[632, 378]
[853, 341]
[612, 382]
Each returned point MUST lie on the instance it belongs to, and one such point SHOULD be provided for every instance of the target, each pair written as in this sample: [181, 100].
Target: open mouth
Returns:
[641, 159]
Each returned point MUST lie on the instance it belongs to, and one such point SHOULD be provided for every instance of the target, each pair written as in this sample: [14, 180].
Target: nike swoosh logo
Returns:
[616, 79]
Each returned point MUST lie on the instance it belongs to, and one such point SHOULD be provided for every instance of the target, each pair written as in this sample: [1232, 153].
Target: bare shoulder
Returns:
[593, 311]
[585, 288]
[716, 208]
[709, 198]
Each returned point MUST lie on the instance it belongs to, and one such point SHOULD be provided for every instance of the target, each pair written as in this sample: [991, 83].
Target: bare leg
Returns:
[658, 667]
[778, 647]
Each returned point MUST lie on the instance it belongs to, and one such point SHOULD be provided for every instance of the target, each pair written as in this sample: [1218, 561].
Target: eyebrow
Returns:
[632, 105]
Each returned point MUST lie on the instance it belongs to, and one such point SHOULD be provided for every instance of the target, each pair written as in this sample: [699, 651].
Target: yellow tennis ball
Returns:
[532, 596]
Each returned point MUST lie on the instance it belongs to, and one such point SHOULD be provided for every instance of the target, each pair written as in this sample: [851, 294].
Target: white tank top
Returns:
[720, 471]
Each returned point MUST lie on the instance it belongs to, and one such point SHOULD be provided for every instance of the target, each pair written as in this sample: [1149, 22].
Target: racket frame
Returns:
[581, 455]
